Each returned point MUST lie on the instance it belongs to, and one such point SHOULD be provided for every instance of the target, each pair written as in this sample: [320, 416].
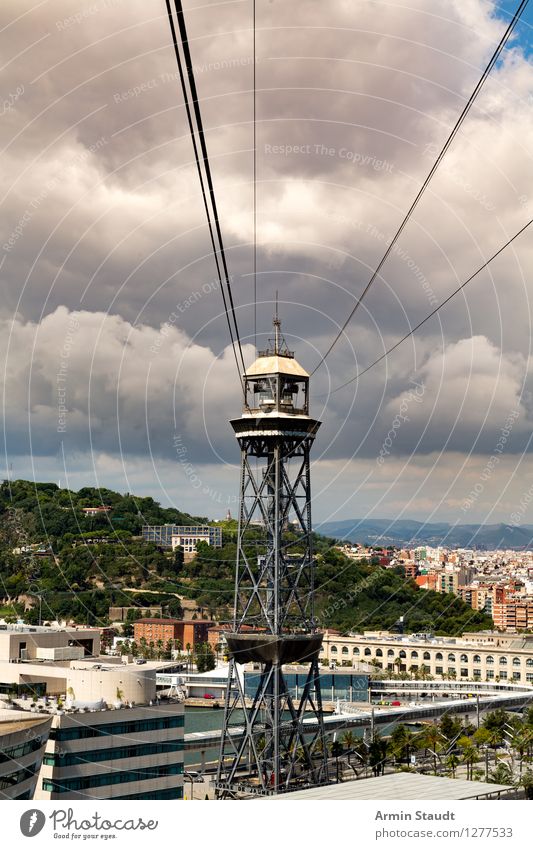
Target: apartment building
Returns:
[483, 656]
[514, 614]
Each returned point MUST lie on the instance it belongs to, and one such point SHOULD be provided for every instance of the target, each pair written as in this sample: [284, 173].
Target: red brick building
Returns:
[188, 632]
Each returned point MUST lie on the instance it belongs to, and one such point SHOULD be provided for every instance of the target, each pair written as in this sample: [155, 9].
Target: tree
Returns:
[179, 559]
[377, 755]
[501, 774]
[431, 739]
[336, 750]
[470, 754]
[205, 658]
[349, 739]
[452, 762]
[401, 742]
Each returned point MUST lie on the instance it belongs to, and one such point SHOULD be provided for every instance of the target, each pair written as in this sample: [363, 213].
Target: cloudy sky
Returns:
[116, 361]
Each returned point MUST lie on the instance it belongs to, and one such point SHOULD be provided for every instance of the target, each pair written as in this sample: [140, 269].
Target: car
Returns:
[140, 660]
[396, 704]
[208, 696]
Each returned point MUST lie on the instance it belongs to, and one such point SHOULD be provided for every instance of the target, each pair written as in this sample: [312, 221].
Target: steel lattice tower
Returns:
[273, 620]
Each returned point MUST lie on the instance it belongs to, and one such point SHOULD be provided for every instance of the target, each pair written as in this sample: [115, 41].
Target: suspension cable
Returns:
[255, 172]
[440, 157]
[436, 310]
[198, 140]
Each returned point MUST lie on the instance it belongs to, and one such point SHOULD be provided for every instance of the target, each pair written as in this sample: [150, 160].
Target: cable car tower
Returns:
[273, 622]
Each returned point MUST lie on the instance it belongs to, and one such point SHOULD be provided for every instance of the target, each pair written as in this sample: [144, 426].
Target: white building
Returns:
[484, 656]
[111, 736]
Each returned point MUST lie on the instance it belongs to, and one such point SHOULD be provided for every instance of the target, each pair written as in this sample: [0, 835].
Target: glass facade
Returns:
[169, 793]
[336, 685]
[162, 534]
[16, 752]
[17, 777]
[138, 751]
[85, 782]
[81, 732]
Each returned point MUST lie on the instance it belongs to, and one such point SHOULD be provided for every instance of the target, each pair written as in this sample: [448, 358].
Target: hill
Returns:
[404, 532]
[80, 565]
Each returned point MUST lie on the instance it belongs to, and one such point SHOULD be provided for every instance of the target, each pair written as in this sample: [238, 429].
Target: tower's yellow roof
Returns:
[276, 364]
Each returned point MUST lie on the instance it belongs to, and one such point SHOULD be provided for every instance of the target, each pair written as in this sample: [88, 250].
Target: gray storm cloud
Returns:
[101, 218]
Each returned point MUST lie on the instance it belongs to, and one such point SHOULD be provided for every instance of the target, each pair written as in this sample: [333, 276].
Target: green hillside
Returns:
[85, 564]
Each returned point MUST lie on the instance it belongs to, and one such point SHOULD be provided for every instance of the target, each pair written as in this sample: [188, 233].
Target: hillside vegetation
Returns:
[85, 564]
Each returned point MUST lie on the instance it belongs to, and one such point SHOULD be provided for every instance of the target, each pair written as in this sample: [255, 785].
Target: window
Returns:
[438, 656]
[403, 654]
[529, 661]
[503, 661]
[414, 654]
[464, 672]
[379, 653]
[367, 652]
[477, 673]
[333, 649]
[516, 676]
[451, 658]
[81, 732]
[345, 650]
[16, 752]
[427, 655]
[490, 660]
[104, 779]
[17, 777]
[477, 658]
[439, 670]
[169, 793]
[490, 673]
[464, 658]
[137, 751]
[503, 675]
[516, 661]
[529, 677]
[390, 653]
[356, 650]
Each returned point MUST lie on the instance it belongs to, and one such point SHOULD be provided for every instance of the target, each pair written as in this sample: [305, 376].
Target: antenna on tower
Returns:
[277, 326]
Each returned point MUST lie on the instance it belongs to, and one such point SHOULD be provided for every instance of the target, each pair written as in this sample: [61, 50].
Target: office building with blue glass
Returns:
[335, 684]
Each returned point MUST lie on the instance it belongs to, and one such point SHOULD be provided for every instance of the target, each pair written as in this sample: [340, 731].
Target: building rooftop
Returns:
[16, 720]
[276, 364]
[163, 621]
[398, 786]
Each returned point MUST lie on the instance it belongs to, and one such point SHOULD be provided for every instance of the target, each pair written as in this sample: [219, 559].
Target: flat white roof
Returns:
[397, 786]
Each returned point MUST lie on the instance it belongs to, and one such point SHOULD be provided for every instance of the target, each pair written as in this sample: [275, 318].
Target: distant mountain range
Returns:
[403, 532]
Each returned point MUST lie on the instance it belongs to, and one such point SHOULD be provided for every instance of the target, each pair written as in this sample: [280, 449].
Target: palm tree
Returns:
[452, 761]
[144, 646]
[349, 740]
[432, 740]
[401, 742]
[520, 741]
[502, 774]
[377, 755]
[423, 672]
[336, 750]
[470, 755]
[481, 738]
[495, 740]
